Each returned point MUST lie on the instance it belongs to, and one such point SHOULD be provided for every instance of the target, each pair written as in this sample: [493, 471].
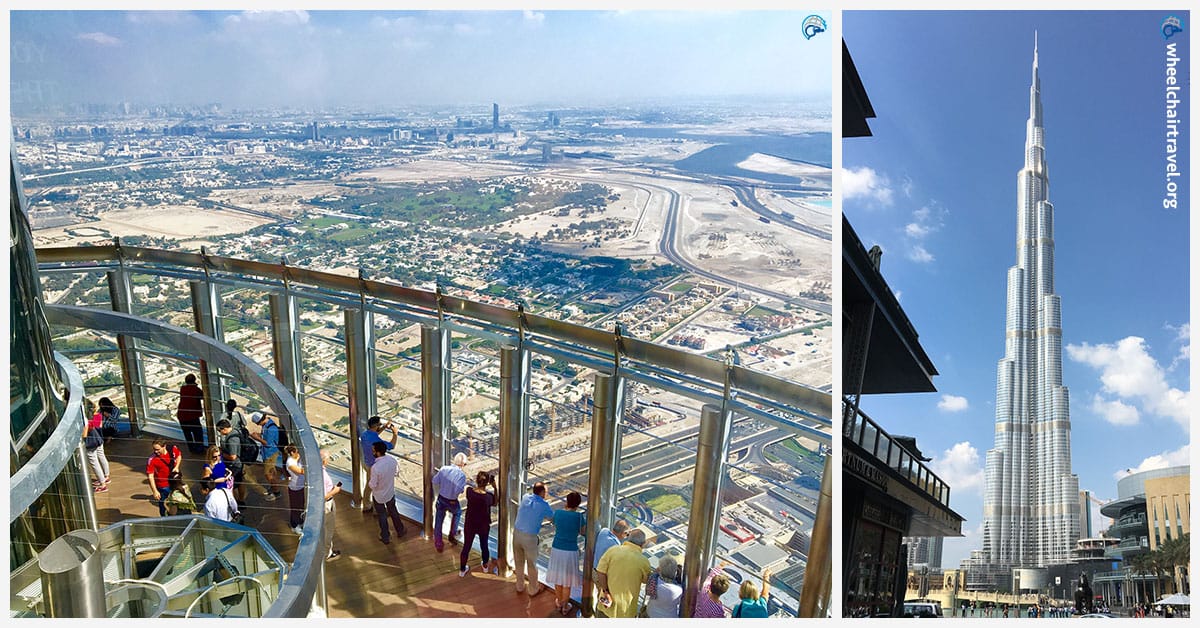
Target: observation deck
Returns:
[648, 433]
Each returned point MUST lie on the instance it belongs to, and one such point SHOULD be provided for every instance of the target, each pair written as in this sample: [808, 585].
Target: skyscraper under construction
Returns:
[1031, 503]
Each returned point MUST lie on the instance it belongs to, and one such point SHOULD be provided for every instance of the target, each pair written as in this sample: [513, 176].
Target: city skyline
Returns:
[326, 59]
[934, 188]
[1031, 516]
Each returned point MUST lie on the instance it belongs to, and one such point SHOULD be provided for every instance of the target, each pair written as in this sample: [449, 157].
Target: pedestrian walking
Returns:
[272, 457]
[159, 467]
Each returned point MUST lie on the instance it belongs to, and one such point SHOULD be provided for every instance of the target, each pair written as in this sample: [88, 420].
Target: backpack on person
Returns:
[93, 439]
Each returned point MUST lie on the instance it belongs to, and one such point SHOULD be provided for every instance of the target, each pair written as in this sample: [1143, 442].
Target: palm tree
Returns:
[1176, 552]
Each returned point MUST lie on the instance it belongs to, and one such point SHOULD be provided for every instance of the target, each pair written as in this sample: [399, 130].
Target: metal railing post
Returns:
[818, 573]
[360, 382]
[133, 372]
[206, 307]
[285, 345]
[712, 448]
[514, 444]
[602, 480]
[435, 410]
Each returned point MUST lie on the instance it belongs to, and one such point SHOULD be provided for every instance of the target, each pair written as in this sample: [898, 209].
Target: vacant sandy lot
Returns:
[426, 170]
[179, 222]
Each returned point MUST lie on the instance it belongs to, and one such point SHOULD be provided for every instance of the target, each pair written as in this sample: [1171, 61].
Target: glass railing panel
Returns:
[656, 465]
[324, 380]
[76, 288]
[398, 399]
[475, 403]
[246, 323]
[167, 299]
[777, 476]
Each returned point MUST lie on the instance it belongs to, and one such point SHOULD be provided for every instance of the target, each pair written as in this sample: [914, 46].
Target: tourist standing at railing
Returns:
[621, 573]
[331, 490]
[295, 485]
[234, 416]
[271, 456]
[607, 539]
[753, 602]
[383, 491]
[93, 444]
[663, 591]
[477, 523]
[190, 412]
[159, 467]
[449, 483]
[370, 436]
[708, 600]
[564, 571]
[531, 513]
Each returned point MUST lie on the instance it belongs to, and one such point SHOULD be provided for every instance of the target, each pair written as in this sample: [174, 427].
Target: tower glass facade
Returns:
[1031, 500]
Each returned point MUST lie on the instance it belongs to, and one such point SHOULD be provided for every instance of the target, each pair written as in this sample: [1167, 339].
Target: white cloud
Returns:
[960, 467]
[867, 184]
[1128, 371]
[534, 18]
[952, 403]
[103, 39]
[918, 254]
[1179, 457]
[906, 187]
[1115, 412]
[291, 18]
[915, 230]
[1183, 335]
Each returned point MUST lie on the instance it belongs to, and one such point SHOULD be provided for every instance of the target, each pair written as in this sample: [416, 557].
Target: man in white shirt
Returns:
[383, 491]
[221, 503]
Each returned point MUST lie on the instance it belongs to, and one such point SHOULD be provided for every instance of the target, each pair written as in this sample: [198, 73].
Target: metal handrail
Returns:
[296, 592]
[884, 448]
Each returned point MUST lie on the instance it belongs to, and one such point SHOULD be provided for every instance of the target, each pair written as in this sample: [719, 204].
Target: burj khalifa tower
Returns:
[1031, 499]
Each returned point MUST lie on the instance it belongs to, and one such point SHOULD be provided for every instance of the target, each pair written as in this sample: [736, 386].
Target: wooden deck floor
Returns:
[404, 579]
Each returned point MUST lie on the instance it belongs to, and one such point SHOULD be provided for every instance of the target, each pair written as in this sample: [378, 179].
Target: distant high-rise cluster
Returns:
[314, 134]
[1031, 502]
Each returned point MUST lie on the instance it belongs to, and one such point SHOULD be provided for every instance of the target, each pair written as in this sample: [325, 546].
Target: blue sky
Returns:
[936, 188]
[325, 58]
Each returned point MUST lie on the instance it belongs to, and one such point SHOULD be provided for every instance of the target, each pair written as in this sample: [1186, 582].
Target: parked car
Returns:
[922, 608]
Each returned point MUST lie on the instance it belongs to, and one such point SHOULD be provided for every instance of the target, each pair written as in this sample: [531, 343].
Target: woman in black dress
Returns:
[478, 522]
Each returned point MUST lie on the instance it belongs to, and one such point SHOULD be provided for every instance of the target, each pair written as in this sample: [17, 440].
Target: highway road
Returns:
[668, 246]
[746, 196]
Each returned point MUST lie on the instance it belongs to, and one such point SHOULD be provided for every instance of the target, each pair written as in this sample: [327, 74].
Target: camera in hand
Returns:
[491, 478]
